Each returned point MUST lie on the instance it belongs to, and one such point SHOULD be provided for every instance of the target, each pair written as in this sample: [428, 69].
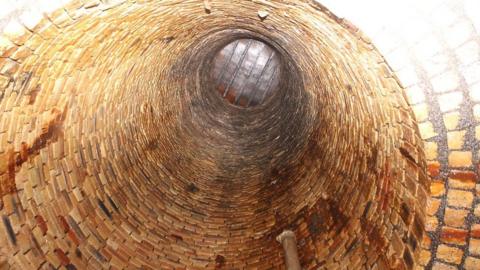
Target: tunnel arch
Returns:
[115, 152]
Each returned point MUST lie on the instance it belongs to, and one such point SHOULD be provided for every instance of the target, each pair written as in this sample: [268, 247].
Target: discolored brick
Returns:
[453, 236]
[431, 150]
[431, 223]
[437, 188]
[455, 218]
[451, 120]
[415, 95]
[456, 139]
[425, 257]
[449, 254]
[433, 169]
[460, 159]
[472, 263]
[477, 210]
[421, 112]
[474, 247]
[460, 198]
[432, 206]
[426, 130]
[443, 266]
[462, 179]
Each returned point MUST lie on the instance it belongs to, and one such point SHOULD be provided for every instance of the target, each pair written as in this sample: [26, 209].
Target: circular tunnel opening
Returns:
[246, 72]
[240, 142]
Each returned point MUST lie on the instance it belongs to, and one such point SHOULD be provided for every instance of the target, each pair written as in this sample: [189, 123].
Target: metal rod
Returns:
[289, 243]
[237, 68]
[269, 85]
[223, 68]
[249, 73]
[258, 79]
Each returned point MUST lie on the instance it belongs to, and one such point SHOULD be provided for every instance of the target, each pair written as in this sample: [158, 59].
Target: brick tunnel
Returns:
[190, 134]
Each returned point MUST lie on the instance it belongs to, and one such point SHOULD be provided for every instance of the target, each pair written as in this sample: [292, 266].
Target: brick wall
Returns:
[114, 153]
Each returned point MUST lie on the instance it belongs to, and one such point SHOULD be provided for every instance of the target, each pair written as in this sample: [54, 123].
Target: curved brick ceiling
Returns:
[112, 156]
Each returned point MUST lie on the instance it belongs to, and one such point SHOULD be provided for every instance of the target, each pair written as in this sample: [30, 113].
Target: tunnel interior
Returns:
[247, 72]
[157, 135]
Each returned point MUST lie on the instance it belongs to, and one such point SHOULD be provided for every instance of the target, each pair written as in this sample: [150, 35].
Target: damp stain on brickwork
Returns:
[154, 168]
[51, 131]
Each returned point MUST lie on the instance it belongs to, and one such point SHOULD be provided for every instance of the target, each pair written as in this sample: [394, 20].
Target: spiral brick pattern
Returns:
[116, 153]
